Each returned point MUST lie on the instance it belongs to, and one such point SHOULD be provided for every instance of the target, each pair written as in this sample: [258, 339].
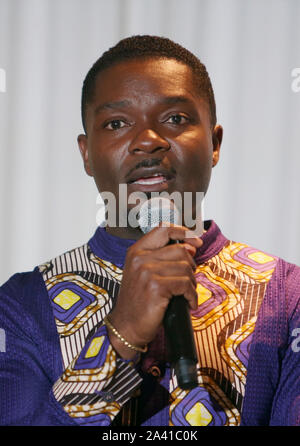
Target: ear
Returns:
[83, 147]
[217, 136]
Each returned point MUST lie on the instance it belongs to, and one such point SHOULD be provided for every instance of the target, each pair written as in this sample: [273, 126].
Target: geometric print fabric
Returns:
[230, 287]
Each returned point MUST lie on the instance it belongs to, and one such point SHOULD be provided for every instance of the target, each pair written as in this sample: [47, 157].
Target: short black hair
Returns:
[145, 47]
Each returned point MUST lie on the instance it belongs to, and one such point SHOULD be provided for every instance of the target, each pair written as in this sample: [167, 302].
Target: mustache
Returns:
[147, 163]
[150, 162]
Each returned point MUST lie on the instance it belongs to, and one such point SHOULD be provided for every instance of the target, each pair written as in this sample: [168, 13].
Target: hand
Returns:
[153, 272]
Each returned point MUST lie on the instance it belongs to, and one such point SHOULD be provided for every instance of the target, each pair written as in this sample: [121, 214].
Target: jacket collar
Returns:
[113, 249]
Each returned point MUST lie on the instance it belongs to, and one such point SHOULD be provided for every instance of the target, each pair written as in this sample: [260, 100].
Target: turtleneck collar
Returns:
[113, 249]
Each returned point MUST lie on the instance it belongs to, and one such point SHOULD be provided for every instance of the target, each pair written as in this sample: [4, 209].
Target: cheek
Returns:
[104, 171]
[195, 156]
[199, 173]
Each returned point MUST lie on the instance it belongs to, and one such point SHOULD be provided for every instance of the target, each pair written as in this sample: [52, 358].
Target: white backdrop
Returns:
[250, 48]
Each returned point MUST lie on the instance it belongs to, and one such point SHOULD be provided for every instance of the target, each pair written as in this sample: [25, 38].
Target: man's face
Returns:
[147, 127]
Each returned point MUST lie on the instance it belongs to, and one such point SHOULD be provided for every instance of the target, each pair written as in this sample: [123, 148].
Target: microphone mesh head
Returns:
[155, 211]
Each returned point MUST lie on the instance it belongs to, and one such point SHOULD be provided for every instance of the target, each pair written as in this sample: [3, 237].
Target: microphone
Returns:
[177, 321]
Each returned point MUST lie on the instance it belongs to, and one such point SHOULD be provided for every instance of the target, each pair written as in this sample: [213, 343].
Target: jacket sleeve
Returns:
[34, 388]
[286, 405]
[96, 385]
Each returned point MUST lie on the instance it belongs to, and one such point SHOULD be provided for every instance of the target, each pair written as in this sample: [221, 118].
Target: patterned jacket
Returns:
[59, 368]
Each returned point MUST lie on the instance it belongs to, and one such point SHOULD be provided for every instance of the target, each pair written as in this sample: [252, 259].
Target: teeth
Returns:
[155, 179]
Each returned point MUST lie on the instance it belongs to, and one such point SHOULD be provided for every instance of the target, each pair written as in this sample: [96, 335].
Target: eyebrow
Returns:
[174, 100]
[168, 100]
[111, 106]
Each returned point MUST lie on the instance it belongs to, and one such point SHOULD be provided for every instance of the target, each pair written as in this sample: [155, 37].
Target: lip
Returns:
[148, 172]
[157, 187]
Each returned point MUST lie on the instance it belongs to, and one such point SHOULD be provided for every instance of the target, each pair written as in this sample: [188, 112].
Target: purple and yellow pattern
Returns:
[230, 289]
[230, 286]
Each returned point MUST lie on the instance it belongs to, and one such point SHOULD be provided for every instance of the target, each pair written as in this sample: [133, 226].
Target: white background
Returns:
[250, 47]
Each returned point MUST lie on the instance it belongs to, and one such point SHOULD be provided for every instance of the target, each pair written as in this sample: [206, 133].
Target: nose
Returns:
[148, 141]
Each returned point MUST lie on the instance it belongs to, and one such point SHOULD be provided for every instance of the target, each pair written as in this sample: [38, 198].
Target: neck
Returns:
[127, 232]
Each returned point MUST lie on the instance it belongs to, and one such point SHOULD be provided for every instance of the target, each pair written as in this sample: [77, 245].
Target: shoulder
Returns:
[27, 292]
[81, 264]
[254, 265]
[22, 298]
[72, 260]
[292, 289]
[19, 284]
[281, 276]
[247, 262]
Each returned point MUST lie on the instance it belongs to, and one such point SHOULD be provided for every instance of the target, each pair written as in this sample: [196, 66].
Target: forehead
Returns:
[145, 78]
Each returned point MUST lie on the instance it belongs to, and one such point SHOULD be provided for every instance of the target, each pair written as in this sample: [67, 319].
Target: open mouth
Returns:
[154, 179]
[151, 179]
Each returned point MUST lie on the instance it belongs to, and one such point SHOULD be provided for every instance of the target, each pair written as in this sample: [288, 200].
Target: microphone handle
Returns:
[180, 342]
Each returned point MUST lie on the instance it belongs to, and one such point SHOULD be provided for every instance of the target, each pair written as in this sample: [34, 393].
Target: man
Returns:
[85, 343]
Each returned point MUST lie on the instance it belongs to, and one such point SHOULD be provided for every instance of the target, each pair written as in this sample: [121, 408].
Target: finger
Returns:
[181, 286]
[180, 251]
[161, 236]
[170, 269]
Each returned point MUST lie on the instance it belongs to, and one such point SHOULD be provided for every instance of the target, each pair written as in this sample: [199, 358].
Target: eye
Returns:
[177, 119]
[115, 124]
